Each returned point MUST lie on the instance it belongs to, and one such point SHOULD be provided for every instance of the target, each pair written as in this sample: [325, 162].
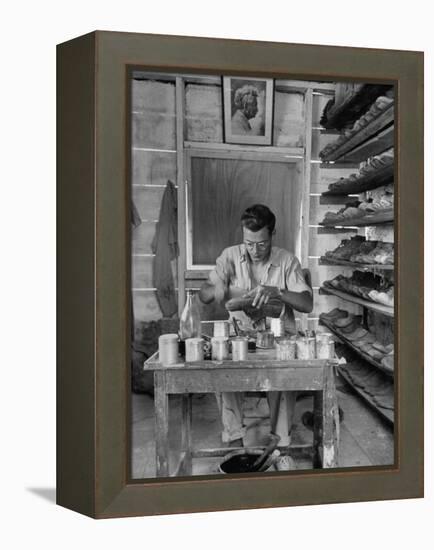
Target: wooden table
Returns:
[260, 372]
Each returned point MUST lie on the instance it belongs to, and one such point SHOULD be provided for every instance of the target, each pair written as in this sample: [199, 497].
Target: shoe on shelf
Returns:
[285, 464]
[334, 314]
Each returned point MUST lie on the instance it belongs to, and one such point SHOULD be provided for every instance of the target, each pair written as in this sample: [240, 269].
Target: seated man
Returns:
[258, 276]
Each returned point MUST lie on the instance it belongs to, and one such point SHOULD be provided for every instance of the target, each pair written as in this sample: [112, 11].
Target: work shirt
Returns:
[283, 270]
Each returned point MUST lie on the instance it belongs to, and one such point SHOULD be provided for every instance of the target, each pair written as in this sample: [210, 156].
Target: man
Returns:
[246, 103]
[251, 279]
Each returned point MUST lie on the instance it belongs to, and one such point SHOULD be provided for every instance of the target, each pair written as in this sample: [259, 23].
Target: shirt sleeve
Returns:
[294, 278]
[223, 270]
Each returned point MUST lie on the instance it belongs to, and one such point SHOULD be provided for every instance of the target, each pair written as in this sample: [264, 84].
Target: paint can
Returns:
[306, 347]
[220, 348]
[239, 349]
[168, 349]
[194, 349]
[325, 346]
[285, 349]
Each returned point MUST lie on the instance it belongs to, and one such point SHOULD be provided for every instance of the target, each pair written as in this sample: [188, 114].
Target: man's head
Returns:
[258, 223]
[246, 99]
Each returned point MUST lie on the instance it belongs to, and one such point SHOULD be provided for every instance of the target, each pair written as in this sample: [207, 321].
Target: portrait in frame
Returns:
[142, 123]
[248, 110]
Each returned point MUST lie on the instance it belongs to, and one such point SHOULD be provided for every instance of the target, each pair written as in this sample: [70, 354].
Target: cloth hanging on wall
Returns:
[165, 247]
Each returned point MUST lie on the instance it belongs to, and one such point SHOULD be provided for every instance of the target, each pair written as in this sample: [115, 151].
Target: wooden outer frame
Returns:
[94, 274]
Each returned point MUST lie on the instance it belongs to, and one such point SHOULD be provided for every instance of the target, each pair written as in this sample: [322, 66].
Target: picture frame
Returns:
[94, 278]
[248, 110]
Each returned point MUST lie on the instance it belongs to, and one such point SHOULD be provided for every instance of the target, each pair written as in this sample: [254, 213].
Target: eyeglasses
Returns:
[262, 245]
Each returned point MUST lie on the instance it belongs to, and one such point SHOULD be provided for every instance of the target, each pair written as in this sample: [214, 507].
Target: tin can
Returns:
[168, 349]
[221, 328]
[239, 349]
[325, 346]
[277, 326]
[220, 348]
[265, 339]
[194, 349]
[306, 348]
[285, 349]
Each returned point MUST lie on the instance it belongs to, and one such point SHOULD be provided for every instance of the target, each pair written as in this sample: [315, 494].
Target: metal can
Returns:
[306, 348]
[325, 346]
[285, 349]
[220, 348]
[221, 328]
[239, 349]
[194, 349]
[265, 339]
[168, 349]
[277, 326]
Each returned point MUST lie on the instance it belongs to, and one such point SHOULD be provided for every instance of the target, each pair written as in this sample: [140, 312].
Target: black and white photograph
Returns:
[262, 275]
[248, 110]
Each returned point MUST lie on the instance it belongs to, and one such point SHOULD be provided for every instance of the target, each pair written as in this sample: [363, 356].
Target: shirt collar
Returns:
[273, 260]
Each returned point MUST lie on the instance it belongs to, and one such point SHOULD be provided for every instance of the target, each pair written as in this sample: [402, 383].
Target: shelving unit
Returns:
[374, 138]
[370, 181]
[324, 260]
[387, 414]
[373, 306]
[350, 344]
[371, 218]
[354, 107]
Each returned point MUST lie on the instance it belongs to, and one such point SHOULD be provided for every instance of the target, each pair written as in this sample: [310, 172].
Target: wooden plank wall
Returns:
[154, 143]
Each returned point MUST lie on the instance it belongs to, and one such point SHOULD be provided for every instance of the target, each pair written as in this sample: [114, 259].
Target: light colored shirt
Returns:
[283, 270]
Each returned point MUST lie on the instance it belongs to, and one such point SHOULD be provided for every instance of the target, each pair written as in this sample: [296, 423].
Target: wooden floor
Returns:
[366, 439]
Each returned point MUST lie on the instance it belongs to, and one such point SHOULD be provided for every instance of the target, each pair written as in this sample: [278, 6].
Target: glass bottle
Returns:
[189, 324]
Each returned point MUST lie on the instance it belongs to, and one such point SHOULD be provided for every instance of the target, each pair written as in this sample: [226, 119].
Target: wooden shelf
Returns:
[371, 218]
[376, 129]
[385, 310]
[350, 344]
[370, 181]
[352, 109]
[324, 260]
[387, 414]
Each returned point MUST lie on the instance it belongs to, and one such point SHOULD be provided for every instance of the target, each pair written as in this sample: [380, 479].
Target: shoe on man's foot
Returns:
[285, 463]
[236, 443]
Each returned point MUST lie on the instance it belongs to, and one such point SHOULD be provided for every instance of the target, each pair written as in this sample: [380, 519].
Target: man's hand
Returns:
[262, 294]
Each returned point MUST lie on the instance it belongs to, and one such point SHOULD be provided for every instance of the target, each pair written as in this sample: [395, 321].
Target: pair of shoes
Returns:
[285, 463]
[236, 443]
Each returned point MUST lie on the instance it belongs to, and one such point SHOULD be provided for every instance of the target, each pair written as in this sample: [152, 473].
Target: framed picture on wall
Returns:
[248, 110]
[240, 275]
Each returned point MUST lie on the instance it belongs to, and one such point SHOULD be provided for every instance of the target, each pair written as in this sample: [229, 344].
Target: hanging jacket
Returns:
[165, 247]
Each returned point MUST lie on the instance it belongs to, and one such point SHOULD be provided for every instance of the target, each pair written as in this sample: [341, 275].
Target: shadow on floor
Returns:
[47, 493]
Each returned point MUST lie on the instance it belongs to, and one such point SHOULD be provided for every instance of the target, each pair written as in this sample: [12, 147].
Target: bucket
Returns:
[239, 462]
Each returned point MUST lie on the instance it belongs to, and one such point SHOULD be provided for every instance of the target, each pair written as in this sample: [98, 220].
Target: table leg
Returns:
[317, 428]
[186, 440]
[330, 420]
[161, 403]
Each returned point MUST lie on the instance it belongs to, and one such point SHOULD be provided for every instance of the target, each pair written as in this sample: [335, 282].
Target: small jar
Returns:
[306, 347]
[239, 349]
[325, 346]
[168, 349]
[220, 348]
[285, 349]
[194, 349]
[265, 339]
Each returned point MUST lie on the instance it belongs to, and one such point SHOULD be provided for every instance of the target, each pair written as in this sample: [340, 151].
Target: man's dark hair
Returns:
[258, 216]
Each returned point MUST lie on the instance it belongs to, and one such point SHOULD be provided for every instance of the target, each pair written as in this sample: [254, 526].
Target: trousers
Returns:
[280, 403]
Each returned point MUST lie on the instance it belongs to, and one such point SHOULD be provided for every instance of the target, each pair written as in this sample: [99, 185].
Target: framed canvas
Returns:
[248, 110]
[158, 193]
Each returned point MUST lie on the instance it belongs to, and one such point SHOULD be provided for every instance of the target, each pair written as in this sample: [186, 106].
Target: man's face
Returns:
[258, 244]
